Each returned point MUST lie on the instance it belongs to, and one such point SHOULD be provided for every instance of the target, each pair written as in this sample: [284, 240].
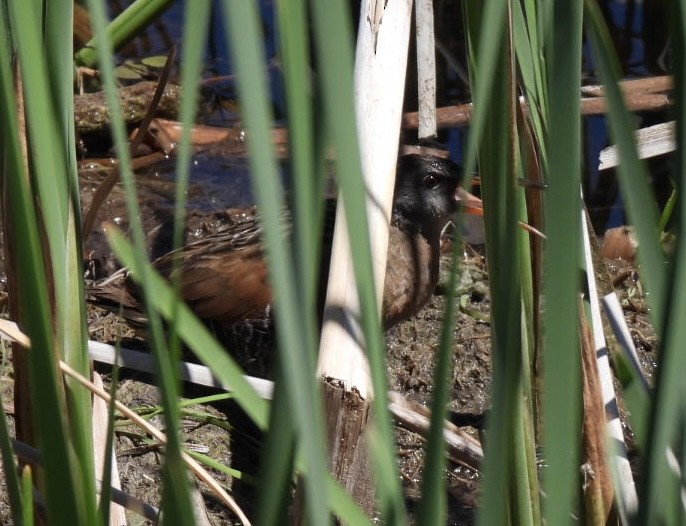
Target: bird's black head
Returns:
[425, 193]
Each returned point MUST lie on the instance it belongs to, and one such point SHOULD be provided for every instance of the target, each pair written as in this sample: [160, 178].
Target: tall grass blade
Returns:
[433, 506]
[196, 21]
[308, 183]
[296, 333]
[48, 110]
[276, 472]
[277, 461]
[562, 380]
[69, 290]
[176, 499]
[531, 64]
[27, 496]
[494, 95]
[484, 45]
[106, 482]
[122, 29]
[661, 492]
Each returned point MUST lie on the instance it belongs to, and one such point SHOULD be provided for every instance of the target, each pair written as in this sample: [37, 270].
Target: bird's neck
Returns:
[430, 231]
[411, 274]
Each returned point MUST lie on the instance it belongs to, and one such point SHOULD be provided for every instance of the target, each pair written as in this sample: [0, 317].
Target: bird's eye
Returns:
[430, 181]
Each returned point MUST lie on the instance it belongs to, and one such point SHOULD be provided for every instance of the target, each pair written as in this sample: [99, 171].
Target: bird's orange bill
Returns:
[473, 205]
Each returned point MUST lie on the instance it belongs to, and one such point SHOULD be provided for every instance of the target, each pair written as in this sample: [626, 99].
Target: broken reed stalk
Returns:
[380, 66]
[426, 68]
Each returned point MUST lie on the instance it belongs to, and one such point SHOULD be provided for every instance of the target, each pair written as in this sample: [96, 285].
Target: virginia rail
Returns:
[224, 276]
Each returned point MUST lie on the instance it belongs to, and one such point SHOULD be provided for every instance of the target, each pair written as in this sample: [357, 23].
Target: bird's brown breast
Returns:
[411, 275]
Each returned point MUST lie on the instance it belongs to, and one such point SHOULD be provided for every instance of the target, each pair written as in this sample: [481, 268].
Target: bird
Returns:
[224, 276]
